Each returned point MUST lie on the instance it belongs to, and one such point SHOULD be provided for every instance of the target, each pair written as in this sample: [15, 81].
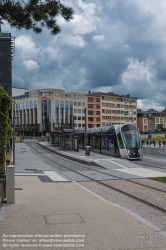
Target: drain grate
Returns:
[18, 188]
[63, 219]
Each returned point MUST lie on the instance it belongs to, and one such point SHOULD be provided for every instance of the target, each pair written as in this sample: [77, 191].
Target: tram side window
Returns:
[120, 142]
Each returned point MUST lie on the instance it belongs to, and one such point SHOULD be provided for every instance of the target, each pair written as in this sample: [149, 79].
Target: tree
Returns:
[34, 14]
[5, 122]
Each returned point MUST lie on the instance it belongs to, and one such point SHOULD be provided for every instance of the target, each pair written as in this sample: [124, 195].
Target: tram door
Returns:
[116, 145]
[122, 150]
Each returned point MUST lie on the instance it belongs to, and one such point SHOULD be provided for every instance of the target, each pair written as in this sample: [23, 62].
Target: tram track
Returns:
[152, 164]
[111, 175]
[159, 208]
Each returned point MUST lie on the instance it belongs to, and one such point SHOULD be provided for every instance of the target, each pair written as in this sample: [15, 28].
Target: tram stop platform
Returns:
[67, 215]
[119, 167]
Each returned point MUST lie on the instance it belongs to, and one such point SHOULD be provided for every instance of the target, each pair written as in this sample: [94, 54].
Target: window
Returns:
[90, 106]
[90, 112]
[90, 126]
[79, 118]
[27, 105]
[79, 125]
[66, 104]
[35, 94]
[83, 103]
[79, 103]
[79, 110]
[78, 97]
[57, 104]
[97, 106]
[74, 95]
[75, 103]
[98, 125]
[83, 97]
[61, 94]
[90, 99]
[97, 99]
[83, 125]
[83, 118]
[98, 119]
[62, 104]
[35, 104]
[97, 112]
[31, 105]
[46, 94]
[75, 110]
[83, 111]
[56, 93]
[90, 119]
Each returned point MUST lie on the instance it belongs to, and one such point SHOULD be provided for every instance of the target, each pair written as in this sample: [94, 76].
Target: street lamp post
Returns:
[53, 126]
[85, 127]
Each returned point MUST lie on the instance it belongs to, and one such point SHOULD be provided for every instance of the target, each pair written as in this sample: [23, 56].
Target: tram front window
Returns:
[131, 138]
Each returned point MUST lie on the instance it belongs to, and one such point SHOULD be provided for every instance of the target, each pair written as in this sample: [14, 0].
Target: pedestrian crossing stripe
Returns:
[51, 174]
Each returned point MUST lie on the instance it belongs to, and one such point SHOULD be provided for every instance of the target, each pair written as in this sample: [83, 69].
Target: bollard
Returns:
[10, 184]
[87, 150]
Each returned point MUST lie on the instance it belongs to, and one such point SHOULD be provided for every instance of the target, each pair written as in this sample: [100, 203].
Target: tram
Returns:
[121, 140]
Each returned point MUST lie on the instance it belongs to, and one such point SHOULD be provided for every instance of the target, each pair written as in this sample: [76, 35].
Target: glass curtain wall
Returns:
[71, 114]
[66, 114]
[46, 115]
[56, 114]
[61, 114]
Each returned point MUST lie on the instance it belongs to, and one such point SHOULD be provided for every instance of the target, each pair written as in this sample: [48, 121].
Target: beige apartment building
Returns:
[109, 109]
[42, 110]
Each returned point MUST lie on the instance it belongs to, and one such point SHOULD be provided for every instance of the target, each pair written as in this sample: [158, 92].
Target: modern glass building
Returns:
[43, 110]
[6, 56]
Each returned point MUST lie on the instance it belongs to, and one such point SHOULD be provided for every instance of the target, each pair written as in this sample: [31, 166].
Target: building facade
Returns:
[150, 120]
[6, 56]
[43, 110]
[109, 109]
[143, 121]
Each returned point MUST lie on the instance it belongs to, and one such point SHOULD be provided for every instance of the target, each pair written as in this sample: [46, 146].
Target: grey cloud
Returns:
[128, 31]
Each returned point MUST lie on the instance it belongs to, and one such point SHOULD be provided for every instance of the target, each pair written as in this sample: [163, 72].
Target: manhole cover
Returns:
[63, 219]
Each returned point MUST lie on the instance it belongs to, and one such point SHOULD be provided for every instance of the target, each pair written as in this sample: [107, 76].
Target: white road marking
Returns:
[54, 176]
[120, 165]
[29, 174]
[142, 172]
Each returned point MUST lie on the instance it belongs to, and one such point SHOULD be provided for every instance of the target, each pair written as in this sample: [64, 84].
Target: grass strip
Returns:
[160, 179]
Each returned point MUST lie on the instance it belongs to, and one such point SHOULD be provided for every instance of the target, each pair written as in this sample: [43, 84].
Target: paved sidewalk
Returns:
[47, 215]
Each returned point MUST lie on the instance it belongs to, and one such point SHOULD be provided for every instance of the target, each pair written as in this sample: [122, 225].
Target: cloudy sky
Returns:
[114, 45]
